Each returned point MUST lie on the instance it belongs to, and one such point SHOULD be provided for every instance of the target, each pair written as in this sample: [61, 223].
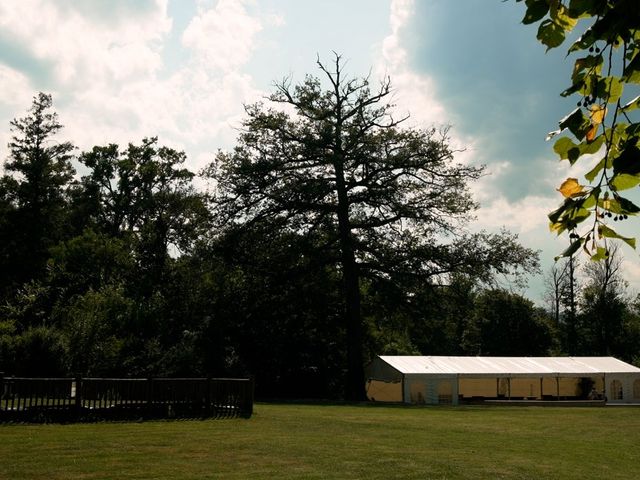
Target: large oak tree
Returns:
[330, 160]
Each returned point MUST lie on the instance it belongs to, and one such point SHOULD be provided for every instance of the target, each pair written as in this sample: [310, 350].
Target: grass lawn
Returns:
[345, 442]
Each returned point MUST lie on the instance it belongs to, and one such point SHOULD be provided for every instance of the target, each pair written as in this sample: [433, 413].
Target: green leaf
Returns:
[577, 123]
[610, 204]
[573, 248]
[564, 146]
[579, 215]
[591, 175]
[560, 16]
[610, 89]
[584, 8]
[591, 63]
[617, 141]
[589, 148]
[568, 150]
[585, 41]
[590, 201]
[607, 232]
[627, 206]
[601, 254]
[550, 34]
[628, 161]
[555, 215]
[572, 212]
[633, 129]
[578, 86]
[590, 86]
[536, 10]
[567, 216]
[624, 181]
[631, 73]
[609, 23]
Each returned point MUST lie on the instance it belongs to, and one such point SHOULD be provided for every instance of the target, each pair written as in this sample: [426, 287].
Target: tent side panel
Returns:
[384, 383]
[623, 387]
[380, 391]
[431, 389]
[478, 387]
[523, 387]
[381, 370]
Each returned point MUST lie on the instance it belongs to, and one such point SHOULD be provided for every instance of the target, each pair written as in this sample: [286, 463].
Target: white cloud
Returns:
[15, 94]
[417, 94]
[82, 49]
[414, 93]
[15, 91]
[631, 269]
[109, 79]
[526, 215]
[222, 37]
[275, 20]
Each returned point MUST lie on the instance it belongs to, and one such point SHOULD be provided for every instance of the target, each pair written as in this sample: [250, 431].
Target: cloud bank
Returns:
[103, 62]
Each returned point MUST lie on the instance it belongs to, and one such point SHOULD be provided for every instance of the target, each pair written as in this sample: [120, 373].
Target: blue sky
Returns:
[120, 70]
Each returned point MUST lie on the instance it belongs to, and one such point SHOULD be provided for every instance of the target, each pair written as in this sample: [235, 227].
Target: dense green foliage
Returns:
[338, 442]
[605, 123]
[130, 270]
[385, 204]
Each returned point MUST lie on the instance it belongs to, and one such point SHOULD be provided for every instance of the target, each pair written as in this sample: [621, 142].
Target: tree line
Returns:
[332, 233]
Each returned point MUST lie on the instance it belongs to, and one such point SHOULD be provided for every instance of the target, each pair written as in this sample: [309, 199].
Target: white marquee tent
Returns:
[439, 379]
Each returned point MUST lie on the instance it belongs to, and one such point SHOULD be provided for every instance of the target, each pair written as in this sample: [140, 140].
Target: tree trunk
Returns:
[572, 341]
[355, 390]
[355, 370]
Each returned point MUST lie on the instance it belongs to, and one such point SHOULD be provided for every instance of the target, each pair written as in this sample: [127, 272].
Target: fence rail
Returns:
[91, 399]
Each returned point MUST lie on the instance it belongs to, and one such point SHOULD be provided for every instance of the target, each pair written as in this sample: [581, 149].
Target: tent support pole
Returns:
[541, 393]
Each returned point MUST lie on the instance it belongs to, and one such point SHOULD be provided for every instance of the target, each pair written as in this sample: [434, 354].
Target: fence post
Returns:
[2, 394]
[78, 403]
[253, 392]
[149, 396]
[207, 397]
[250, 396]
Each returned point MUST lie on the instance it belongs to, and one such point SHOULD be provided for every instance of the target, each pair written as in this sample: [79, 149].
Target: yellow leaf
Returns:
[571, 188]
[598, 113]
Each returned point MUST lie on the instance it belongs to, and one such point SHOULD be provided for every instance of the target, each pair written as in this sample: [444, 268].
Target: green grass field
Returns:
[331, 442]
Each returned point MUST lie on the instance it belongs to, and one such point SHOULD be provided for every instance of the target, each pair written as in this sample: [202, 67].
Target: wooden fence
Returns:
[92, 399]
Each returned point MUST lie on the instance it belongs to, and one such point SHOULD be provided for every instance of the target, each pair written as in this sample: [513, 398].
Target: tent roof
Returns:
[508, 365]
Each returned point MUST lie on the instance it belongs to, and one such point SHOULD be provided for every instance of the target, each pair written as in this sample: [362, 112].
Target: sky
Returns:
[122, 70]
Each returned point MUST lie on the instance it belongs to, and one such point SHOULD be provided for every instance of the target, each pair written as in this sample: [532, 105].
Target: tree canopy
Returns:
[385, 202]
[34, 193]
[335, 233]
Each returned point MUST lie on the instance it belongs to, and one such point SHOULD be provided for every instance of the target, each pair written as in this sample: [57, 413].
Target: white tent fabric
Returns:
[449, 379]
[508, 366]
